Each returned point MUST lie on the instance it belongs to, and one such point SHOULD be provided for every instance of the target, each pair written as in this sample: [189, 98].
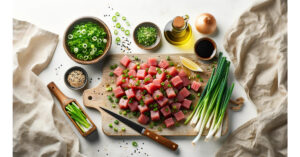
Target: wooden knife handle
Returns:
[58, 94]
[160, 139]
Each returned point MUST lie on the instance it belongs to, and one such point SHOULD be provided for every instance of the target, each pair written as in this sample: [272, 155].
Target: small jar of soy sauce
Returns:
[205, 48]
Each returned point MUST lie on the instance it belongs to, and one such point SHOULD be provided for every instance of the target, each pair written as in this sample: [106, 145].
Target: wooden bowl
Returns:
[87, 19]
[158, 39]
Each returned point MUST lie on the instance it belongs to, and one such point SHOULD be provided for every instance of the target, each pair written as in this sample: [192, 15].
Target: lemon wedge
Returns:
[190, 64]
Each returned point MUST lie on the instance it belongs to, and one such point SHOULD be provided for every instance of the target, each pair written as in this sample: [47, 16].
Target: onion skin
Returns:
[206, 23]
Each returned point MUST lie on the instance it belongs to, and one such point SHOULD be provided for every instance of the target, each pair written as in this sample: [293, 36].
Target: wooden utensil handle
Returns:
[58, 94]
[160, 139]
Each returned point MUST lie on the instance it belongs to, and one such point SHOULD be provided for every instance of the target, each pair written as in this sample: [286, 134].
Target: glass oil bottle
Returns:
[178, 31]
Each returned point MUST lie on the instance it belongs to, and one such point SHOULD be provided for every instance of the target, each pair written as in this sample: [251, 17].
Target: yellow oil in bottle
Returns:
[178, 31]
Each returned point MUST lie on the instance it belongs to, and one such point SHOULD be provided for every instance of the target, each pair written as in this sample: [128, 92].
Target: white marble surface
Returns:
[55, 15]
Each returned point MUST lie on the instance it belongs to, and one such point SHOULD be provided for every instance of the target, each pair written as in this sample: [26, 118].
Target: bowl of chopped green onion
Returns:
[87, 40]
[147, 36]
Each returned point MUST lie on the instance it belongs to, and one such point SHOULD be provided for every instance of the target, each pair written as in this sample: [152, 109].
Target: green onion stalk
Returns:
[211, 107]
[77, 115]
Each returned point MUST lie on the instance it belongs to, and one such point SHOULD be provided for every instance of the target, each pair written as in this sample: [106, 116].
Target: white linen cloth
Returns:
[257, 46]
[39, 129]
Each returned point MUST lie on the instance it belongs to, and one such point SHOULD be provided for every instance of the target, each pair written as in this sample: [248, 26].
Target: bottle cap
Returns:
[178, 22]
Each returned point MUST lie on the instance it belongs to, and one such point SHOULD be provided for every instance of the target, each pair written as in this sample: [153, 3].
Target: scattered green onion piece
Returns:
[114, 19]
[116, 122]
[116, 129]
[123, 129]
[127, 32]
[135, 144]
[116, 32]
[117, 14]
[123, 18]
[110, 125]
[118, 25]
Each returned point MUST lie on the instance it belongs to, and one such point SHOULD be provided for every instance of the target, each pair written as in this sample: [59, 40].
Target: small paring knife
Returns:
[160, 139]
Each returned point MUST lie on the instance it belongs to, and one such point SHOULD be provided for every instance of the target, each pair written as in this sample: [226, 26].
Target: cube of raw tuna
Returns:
[125, 83]
[176, 106]
[132, 73]
[130, 93]
[150, 88]
[123, 103]
[143, 119]
[138, 95]
[148, 79]
[162, 76]
[148, 99]
[166, 111]
[144, 66]
[169, 122]
[172, 71]
[157, 95]
[186, 103]
[119, 80]
[157, 83]
[176, 81]
[184, 92]
[132, 83]
[118, 71]
[152, 70]
[196, 85]
[163, 64]
[133, 106]
[141, 85]
[132, 66]
[125, 61]
[171, 101]
[118, 91]
[179, 98]
[179, 115]
[166, 82]
[162, 102]
[170, 93]
[152, 61]
[143, 108]
[184, 78]
[154, 115]
[141, 74]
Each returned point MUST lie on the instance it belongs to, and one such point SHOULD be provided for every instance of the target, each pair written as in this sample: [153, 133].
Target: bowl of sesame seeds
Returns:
[76, 78]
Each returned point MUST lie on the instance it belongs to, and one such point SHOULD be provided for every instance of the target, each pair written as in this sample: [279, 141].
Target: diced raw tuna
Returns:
[162, 102]
[133, 106]
[154, 115]
[179, 115]
[130, 93]
[172, 71]
[132, 66]
[148, 99]
[119, 80]
[125, 83]
[166, 84]
[123, 103]
[132, 73]
[150, 88]
[143, 119]
[141, 74]
[165, 111]
[196, 85]
[125, 61]
[138, 95]
[180, 98]
[169, 122]
[152, 70]
[157, 83]
[132, 83]
[148, 79]
[157, 95]
[184, 92]
[118, 91]
[184, 78]
[152, 61]
[170, 93]
[186, 103]
[171, 101]
[144, 66]
[142, 85]
[143, 108]
[118, 71]
[176, 81]
[163, 64]
[176, 106]
[162, 76]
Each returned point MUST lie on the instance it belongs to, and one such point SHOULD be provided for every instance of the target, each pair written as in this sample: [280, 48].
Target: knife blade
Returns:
[144, 131]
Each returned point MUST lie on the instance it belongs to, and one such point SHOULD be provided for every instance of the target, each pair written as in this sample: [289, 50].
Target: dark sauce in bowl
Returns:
[205, 48]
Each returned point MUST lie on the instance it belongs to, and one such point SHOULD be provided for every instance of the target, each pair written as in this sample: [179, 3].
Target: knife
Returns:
[142, 130]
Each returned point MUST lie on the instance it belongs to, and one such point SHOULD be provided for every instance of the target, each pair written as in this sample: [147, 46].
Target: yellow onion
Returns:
[206, 23]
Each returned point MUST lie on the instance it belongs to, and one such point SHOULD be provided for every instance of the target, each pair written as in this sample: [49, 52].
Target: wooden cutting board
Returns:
[97, 96]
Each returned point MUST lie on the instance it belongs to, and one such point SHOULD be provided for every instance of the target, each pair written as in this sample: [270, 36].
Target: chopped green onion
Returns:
[116, 129]
[168, 58]
[114, 19]
[127, 32]
[118, 25]
[123, 129]
[116, 32]
[135, 144]
[116, 122]
[122, 29]
[123, 18]
[110, 125]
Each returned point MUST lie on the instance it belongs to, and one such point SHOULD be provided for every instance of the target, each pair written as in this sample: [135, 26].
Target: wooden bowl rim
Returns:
[153, 46]
[101, 24]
